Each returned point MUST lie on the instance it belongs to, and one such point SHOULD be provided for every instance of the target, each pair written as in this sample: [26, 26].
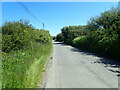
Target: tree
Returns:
[59, 37]
[71, 32]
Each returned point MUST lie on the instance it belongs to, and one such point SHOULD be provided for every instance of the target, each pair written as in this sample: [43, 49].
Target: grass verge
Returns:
[23, 68]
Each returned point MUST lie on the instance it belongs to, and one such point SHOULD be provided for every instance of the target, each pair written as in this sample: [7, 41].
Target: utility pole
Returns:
[43, 25]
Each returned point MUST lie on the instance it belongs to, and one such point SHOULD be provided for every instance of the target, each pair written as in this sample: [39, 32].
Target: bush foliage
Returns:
[70, 32]
[19, 35]
[24, 53]
[101, 35]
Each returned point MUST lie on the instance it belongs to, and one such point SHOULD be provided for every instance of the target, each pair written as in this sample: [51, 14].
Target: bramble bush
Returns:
[101, 35]
[71, 32]
[105, 31]
[24, 53]
[17, 35]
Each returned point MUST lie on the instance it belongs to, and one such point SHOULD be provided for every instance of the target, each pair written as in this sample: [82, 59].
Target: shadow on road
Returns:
[83, 52]
[102, 60]
[110, 63]
[59, 43]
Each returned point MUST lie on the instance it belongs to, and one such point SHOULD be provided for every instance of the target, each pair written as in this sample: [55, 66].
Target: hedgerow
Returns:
[101, 34]
[18, 35]
[24, 53]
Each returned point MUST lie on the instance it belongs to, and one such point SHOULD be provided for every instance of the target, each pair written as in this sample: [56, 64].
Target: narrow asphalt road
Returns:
[73, 68]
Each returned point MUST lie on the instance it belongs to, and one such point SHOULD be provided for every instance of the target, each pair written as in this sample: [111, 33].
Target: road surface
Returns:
[73, 68]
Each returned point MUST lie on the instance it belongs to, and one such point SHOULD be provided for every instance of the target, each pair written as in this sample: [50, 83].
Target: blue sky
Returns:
[55, 15]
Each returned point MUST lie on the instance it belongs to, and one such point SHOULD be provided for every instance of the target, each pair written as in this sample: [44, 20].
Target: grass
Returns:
[24, 68]
[0, 59]
[0, 71]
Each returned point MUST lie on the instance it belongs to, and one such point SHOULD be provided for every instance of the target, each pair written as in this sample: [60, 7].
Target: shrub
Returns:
[18, 35]
[81, 42]
[59, 37]
[24, 53]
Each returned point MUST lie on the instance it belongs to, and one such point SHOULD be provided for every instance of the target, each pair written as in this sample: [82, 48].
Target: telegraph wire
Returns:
[29, 12]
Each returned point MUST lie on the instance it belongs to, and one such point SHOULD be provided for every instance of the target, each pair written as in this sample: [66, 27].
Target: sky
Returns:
[55, 15]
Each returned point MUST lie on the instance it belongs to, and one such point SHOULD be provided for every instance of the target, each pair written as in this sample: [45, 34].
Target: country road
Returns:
[73, 68]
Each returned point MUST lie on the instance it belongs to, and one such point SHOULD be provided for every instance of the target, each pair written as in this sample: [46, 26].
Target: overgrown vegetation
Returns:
[24, 53]
[101, 35]
[0, 58]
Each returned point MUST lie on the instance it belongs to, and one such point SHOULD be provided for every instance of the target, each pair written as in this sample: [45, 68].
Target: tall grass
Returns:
[0, 58]
[23, 68]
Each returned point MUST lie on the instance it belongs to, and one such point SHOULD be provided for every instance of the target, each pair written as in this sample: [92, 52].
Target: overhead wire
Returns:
[29, 12]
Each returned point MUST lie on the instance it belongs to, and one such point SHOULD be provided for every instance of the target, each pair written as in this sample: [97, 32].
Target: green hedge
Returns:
[24, 53]
[18, 35]
[101, 35]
